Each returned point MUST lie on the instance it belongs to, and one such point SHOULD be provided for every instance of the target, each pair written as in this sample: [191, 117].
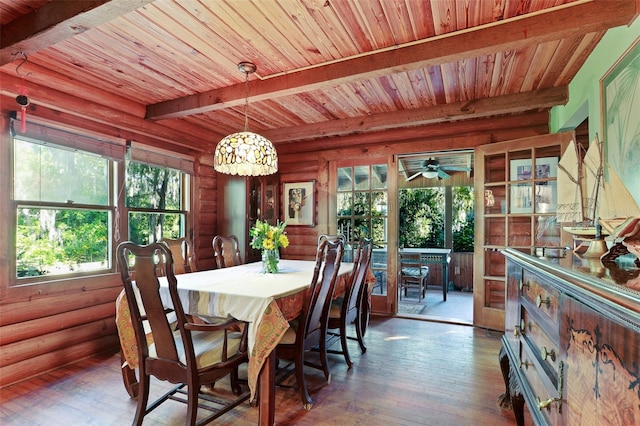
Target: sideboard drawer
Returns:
[544, 345]
[540, 294]
[544, 390]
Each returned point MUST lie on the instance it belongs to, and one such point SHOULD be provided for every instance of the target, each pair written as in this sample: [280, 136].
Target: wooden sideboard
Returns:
[571, 348]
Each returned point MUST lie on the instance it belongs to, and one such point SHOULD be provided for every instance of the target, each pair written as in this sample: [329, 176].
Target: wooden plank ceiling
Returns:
[166, 70]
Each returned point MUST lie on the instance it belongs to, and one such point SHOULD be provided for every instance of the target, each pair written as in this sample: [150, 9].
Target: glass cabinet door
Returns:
[516, 208]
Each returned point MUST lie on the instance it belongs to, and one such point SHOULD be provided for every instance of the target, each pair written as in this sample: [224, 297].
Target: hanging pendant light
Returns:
[245, 153]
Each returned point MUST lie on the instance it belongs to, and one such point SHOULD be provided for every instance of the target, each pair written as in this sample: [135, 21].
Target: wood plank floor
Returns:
[414, 373]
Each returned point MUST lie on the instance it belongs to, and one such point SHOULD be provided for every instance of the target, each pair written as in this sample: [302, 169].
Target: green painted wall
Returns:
[584, 89]
[585, 101]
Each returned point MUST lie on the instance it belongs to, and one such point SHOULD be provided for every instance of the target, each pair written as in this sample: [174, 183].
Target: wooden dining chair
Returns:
[182, 251]
[226, 251]
[187, 354]
[348, 309]
[309, 330]
[184, 262]
[329, 237]
[412, 274]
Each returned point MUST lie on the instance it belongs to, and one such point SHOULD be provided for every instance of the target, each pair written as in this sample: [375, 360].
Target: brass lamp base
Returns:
[597, 248]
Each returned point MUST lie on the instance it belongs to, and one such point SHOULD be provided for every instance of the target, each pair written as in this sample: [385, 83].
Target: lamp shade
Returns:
[245, 154]
[430, 174]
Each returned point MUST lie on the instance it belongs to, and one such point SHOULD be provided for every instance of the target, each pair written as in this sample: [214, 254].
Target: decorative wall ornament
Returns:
[22, 100]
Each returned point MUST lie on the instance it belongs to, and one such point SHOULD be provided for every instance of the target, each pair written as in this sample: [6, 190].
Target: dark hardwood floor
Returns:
[414, 373]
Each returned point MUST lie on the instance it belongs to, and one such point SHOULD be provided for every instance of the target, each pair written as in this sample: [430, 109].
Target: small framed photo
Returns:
[521, 169]
[546, 167]
[299, 203]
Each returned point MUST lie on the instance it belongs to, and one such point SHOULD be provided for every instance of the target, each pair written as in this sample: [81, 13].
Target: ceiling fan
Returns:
[431, 169]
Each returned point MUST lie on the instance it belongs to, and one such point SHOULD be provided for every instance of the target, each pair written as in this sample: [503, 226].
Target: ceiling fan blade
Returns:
[442, 174]
[413, 176]
[456, 168]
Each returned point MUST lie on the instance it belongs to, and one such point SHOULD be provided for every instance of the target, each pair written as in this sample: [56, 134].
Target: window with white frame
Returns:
[154, 199]
[156, 194]
[66, 201]
[63, 206]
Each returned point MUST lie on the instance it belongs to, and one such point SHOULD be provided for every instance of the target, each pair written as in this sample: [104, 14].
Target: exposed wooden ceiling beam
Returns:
[187, 136]
[479, 108]
[57, 21]
[420, 138]
[58, 119]
[510, 34]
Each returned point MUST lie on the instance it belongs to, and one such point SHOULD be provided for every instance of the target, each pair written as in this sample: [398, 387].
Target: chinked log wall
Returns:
[44, 326]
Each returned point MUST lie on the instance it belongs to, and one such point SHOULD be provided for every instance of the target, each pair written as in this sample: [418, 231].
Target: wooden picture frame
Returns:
[620, 101]
[298, 203]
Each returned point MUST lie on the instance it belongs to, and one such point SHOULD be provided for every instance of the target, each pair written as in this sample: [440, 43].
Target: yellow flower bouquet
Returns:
[269, 239]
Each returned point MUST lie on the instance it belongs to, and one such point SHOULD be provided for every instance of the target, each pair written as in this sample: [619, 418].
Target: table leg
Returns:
[266, 391]
[445, 285]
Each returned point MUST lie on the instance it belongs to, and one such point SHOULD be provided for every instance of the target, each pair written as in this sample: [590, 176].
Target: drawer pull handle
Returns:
[519, 330]
[526, 364]
[539, 301]
[524, 285]
[545, 353]
[546, 403]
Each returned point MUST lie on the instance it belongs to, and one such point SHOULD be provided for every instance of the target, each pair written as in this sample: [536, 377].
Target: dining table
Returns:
[266, 302]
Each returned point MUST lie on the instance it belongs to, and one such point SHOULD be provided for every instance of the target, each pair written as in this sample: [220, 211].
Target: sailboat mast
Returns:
[596, 190]
[593, 172]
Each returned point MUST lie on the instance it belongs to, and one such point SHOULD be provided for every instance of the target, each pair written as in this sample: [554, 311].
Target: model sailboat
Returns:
[589, 200]
[577, 198]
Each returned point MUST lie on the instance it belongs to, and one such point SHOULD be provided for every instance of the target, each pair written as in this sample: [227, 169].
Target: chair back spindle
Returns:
[182, 252]
[329, 257]
[352, 308]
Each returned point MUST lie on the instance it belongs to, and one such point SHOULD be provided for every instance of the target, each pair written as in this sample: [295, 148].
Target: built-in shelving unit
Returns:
[517, 210]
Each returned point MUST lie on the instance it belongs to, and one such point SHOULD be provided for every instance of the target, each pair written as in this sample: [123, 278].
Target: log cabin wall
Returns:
[204, 208]
[46, 325]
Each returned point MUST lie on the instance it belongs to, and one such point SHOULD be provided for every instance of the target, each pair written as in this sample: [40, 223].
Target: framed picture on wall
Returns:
[298, 200]
[620, 94]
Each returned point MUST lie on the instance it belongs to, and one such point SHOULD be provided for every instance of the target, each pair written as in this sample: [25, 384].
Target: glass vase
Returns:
[270, 260]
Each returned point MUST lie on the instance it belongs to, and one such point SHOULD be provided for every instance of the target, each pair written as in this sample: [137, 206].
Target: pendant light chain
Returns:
[246, 101]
